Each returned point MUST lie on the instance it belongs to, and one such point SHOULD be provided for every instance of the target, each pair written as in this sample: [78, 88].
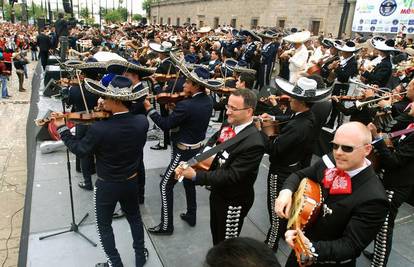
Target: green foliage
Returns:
[84, 13]
[146, 6]
[117, 15]
[137, 17]
[8, 11]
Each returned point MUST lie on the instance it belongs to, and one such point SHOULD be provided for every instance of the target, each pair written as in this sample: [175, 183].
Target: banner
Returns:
[384, 16]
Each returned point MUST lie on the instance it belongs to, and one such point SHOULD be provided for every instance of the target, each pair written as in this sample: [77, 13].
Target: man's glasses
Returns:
[345, 148]
[234, 109]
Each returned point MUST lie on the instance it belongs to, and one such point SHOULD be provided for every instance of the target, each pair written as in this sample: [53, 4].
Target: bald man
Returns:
[355, 203]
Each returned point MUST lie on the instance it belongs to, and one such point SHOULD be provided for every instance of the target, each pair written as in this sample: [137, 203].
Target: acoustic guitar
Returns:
[306, 205]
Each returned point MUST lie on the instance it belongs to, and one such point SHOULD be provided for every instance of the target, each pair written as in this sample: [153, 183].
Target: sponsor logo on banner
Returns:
[387, 7]
[411, 22]
[410, 30]
[374, 21]
[395, 22]
[394, 29]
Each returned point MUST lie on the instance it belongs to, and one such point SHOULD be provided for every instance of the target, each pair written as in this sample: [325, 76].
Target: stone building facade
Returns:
[314, 15]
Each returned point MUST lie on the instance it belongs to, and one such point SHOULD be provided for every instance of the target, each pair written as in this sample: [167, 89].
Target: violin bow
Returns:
[81, 90]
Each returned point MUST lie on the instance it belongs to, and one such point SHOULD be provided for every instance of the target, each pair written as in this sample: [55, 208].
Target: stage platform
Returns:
[50, 212]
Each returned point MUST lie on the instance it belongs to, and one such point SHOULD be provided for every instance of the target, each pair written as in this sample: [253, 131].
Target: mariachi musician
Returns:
[188, 123]
[82, 100]
[166, 67]
[334, 56]
[135, 73]
[292, 148]
[267, 59]
[383, 70]
[355, 203]
[298, 55]
[341, 71]
[398, 166]
[250, 47]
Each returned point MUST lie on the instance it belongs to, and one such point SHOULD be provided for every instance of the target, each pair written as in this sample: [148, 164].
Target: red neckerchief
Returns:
[226, 134]
[337, 181]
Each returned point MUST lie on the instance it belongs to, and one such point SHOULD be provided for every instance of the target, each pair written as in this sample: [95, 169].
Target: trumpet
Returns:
[366, 86]
[370, 103]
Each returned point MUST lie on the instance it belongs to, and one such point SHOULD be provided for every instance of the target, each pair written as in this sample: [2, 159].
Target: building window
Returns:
[169, 21]
[178, 22]
[154, 19]
[216, 22]
[315, 27]
[254, 23]
[233, 23]
[189, 20]
[281, 23]
[161, 21]
[201, 23]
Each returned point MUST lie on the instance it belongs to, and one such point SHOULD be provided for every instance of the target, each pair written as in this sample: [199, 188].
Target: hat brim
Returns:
[267, 36]
[243, 70]
[287, 88]
[158, 48]
[381, 46]
[207, 83]
[127, 95]
[120, 67]
[298, 37]
[99, 67]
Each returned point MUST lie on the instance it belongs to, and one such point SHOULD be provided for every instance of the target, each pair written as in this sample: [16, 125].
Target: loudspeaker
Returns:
[41, 23]
[51, 88]
[67, 6]
[54, 72]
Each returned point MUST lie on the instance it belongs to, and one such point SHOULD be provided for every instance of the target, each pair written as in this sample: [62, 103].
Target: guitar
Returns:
[306, 205]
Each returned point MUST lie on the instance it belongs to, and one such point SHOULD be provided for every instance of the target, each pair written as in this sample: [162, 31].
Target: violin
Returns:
[350, 97]
[77, 117]
[159, 77]
[69, 82]
[166, 98]
[282, 98]
[225, 90]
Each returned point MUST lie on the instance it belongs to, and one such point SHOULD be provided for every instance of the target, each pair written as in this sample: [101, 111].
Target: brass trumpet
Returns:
[366, 86]
[360, 104]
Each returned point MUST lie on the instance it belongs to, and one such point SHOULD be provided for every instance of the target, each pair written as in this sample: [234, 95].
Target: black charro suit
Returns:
[340, 237]
[398, 181]
[231, 177]
[117, 142]
[188, 124]
[290, 151]
[380, 74]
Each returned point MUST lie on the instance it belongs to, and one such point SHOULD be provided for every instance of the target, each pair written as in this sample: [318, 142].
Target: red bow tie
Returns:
[410, 126]
[337, 181]
[226, 134]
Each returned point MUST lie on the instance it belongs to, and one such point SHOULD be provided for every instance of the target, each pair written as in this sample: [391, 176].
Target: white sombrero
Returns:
[305, 89]
[298, 37]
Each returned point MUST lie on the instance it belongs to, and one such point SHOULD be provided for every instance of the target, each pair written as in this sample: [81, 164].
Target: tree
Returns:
[113, 16]
[36, 11]
[8, 12]
[137, 17]
[146, 6]
[84, 13]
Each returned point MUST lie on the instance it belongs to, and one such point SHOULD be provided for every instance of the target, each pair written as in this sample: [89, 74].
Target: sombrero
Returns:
[298, 37]
[305, 89]
[120, 67]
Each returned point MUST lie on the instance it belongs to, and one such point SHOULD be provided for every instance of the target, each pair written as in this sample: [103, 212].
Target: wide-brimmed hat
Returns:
[204, 29]
[267, 34]
[199, 75]
[305, 89]
[164, 47]
[119, 88]
[251, 34]
[242, 67]
[91, 65]
[298, 37]
[348, 46]
[120, 67]
[383, 45]
[104, 56]
[237, 35]
[327, 43]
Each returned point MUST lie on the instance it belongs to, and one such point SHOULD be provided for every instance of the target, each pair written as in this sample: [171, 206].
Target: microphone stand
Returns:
[74, 227]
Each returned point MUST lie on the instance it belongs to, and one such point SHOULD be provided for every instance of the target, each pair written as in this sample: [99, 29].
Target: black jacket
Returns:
[234, 179]
[117, 143]
[189, 119]
[44, 42]
[61, 27]
[355, 219]
[398, 164]
[380, 74]
[342, 74]
[294, 143]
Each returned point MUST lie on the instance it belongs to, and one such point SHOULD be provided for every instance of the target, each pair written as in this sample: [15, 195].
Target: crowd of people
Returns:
[331, 102]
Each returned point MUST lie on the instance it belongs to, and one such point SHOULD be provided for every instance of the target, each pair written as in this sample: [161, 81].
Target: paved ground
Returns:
[13, 173]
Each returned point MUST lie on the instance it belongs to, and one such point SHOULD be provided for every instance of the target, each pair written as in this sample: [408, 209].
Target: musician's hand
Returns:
[385, 103]
[272, 100]
[57, 121]
[290, 236]
[147, 104]
[373, 129]
[187, 173]
[283, 203]
[335, 98]
[265, 116]
[170, 106]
